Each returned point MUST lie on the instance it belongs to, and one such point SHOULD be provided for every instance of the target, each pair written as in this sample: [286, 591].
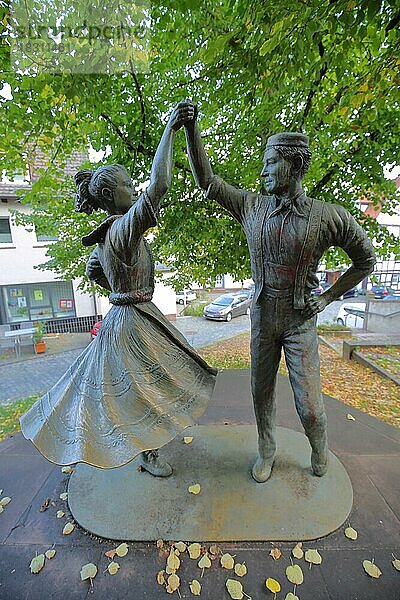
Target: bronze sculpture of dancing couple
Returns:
[140, 384]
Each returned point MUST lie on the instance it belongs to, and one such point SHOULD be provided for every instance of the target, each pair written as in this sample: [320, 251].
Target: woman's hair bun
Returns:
[84, 201]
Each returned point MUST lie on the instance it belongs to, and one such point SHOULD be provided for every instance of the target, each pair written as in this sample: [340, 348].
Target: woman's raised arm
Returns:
[161, 170]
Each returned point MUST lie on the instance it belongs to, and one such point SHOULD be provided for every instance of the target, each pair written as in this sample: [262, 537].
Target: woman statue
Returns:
[139, 383]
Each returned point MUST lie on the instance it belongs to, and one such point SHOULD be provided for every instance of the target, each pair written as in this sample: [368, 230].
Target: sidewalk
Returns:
[368, 448]
[30, 374]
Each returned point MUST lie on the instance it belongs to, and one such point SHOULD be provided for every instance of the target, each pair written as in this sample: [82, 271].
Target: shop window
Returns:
[5, 230]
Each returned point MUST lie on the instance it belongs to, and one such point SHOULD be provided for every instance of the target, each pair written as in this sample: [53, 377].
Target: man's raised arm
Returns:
[226, 195]
[198, 158]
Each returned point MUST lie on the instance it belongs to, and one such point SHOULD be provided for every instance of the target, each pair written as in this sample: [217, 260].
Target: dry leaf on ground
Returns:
[4, 501]
[181, 546]
[45, 505]
[240, 569]
[350, 417]
[60, 514]
[64, 496]
[298, 551]
[273, 585]
[351, 533]
[396, 563]
[214, 549]
[295, 574]
[173, 583]
[371, 569]
[68, 528]
[275, 553]
[88, 571]
[290, 596]
[50, 553]
[194, 550]
[122, 550]
[110, 553]
[160, 543]
[204, 562]
[161, 577]
[313, 557]
[67, 470]
[113, 568]
[194, 489]
[37, 564]
[235, 589]
[188, 439]
[195, 587]
[173, 562]
[227, 561]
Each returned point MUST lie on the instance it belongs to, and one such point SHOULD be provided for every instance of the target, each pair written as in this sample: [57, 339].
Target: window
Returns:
[5, 230]
[38, 301]
[46, 238]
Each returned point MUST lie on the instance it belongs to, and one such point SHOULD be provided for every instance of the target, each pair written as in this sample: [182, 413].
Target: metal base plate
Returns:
[293, 505]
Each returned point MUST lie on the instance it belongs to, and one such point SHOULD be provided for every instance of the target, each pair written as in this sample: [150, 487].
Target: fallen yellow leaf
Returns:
[64, 496]
[121, 550]
[194, 489]
[235, 589]
[371, 569]
[173, 562]
[60, 514]
[1, 509]
[4, 501]
[273, 585]
[214, 549]
[188, 439]
[50, 553]
[351, 533]
[297, 551]
[275, 553]
[313, 557]
[37, 563]
[160, 543]
[194, 550]
[240, 569]
[195, 587]
[88, 571]
[113, 568]
[68, 528]
[396, 563]
[350, 417]
[290, 596]
[181, 546]
[173, 583]
[204, 562]
[227, 561]
[161, 577]
[67, 470]
[294, 574]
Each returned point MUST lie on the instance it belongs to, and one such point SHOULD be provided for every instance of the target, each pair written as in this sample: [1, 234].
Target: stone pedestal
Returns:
[293, 505]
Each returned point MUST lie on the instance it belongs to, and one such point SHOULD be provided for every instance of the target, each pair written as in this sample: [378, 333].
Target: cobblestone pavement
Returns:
[21, 379]
[35, 375]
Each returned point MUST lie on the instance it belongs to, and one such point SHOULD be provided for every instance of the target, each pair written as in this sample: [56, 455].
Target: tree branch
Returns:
[142, 106]
[118, 132]
[314, 87]
[335, 168]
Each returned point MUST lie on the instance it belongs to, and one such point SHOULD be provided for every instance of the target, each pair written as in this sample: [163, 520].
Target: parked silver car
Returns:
[227, 306]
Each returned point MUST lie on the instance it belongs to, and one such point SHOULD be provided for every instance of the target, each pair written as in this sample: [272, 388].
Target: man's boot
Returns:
[151, 462]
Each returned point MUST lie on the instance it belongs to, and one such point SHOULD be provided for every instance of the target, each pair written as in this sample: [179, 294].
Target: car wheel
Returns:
[340, 322]
[248, 311]
[229, 317]
[180, 301]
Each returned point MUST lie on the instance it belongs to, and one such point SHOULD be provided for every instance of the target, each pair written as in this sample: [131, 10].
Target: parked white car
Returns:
[351, 315]
[185, 296]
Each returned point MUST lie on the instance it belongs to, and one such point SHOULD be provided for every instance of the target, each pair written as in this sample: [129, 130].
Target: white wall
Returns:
[19, 257]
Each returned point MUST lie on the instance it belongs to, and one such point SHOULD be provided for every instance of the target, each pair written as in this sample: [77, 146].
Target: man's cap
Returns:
[288, 138]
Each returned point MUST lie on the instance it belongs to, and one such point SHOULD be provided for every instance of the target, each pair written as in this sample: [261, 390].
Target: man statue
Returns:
[287, 233]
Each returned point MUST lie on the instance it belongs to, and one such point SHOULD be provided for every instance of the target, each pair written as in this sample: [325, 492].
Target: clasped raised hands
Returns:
[183, 113]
